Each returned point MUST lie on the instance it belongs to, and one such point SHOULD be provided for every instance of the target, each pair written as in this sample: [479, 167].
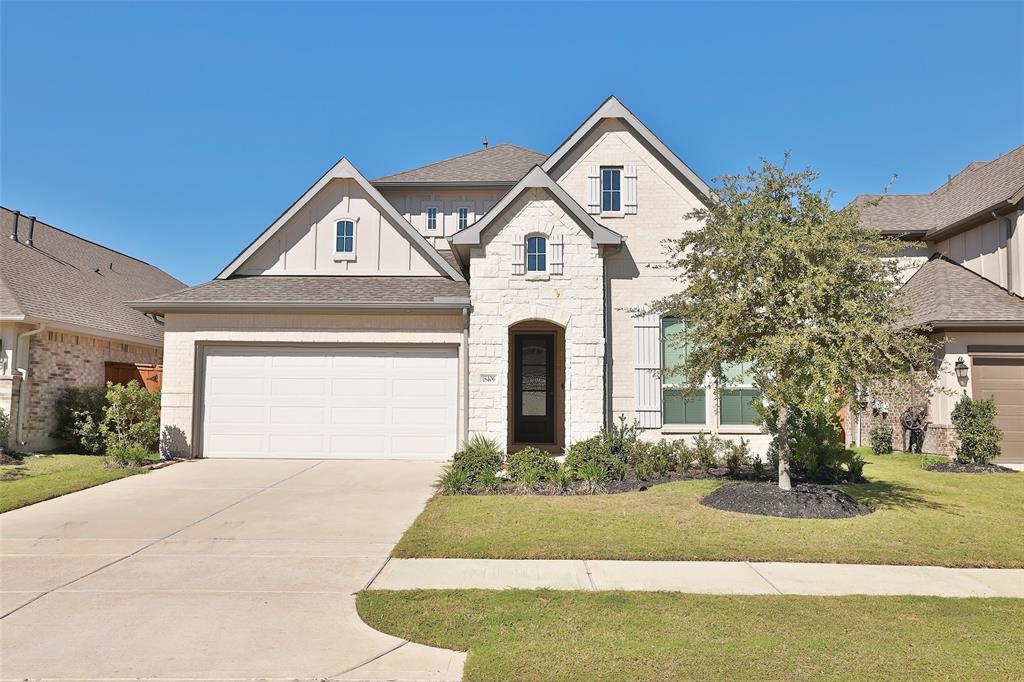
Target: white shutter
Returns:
[594, 190]
[519, 259]
[556, 259]
[630, 181]
[647, 340]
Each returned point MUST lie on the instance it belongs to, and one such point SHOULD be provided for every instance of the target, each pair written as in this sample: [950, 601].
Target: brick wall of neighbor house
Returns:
[939, 439]
[574, 300]
[182, 331]
[61, 359]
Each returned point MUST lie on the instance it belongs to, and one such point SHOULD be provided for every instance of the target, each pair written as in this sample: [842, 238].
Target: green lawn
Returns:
[921, 517]
[40, 478]
[545, 635]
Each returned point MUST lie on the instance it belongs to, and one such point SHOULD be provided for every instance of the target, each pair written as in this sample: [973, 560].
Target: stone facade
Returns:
[58, 360]
[573, 300]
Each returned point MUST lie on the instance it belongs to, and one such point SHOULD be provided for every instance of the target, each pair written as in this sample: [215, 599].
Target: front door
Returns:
[534, 388]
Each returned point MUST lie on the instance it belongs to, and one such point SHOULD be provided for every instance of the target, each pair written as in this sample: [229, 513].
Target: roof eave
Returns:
[440, 303]
[984, 215]
[385, 184]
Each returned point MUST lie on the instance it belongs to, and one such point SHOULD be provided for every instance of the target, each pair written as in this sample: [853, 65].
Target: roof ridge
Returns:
[89, 241]
[458, 156]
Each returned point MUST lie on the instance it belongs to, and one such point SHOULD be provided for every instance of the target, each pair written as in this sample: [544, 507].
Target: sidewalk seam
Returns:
[590, 576]
[759, 574]
[374, 576]
[370, 660]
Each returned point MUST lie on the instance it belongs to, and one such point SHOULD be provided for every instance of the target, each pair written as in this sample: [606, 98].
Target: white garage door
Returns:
[339, 403]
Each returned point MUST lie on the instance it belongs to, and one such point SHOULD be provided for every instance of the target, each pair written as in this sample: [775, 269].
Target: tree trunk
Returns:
[783, 436]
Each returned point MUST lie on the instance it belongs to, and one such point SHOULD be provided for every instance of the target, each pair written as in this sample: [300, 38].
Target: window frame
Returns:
[667, 386]
[541, 254]
[350, 254]
[725, 387]
[427, 217]
[616, 192]
[462, 217]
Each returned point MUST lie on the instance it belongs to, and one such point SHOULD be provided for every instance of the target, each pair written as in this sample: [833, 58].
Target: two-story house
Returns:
[488, 293]
[967, 283]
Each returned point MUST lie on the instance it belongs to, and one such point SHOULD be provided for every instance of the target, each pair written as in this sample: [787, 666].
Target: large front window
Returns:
[345, 237]
[678, 408]
[738, 396]
[536, 254]
[611, 190]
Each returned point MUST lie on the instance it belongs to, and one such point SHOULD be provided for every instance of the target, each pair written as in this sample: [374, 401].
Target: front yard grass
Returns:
[546, 635]
[41, 478]
[921, 517]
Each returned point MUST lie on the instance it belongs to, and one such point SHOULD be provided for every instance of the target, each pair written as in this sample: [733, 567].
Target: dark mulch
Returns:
[8, 457]
[804, 501]
[958, 468]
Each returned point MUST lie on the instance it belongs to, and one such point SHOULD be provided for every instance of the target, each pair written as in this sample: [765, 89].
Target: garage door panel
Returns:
[1002, 379]
[330, 403]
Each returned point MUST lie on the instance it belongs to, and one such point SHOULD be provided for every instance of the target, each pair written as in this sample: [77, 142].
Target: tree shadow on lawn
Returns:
[890, 495]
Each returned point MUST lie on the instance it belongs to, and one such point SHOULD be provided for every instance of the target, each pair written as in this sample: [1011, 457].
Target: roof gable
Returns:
[536, 179]
[613, 108]
[502, 164]
[344, 170]
[945, 293]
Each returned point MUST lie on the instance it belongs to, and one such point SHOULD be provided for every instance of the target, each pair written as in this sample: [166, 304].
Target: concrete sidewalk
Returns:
[701, 577]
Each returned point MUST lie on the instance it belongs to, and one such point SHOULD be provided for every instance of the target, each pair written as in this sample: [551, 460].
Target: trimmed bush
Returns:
[707, 450]
[737, 455]
[620, 440]
[479, 460]
[79, 413]
[976, 431]
[880, 436]
[530, 466]
[583, 452]
[131, 418]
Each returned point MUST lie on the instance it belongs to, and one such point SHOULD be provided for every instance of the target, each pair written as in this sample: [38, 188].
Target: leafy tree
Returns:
[778, 279]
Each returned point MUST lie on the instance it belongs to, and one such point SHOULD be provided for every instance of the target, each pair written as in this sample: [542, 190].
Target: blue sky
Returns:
[176, 132]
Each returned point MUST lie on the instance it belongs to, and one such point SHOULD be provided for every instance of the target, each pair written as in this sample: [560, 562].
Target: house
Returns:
[63, 320]
[484, 294]
[967, 284]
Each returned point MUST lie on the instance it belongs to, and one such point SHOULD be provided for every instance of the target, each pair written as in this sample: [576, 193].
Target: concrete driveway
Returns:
[212, 570]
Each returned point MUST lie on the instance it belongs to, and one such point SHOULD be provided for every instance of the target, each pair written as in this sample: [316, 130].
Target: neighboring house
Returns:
[967, 283]
[63, 320]
[485, 294]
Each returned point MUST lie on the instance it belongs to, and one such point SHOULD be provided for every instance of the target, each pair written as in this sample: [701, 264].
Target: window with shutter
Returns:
[557, 258]
[647, 333]
[594, 190]
[519, 258]
[629, 182]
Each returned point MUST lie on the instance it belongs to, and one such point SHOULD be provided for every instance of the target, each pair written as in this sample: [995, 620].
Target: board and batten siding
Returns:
[648, 371]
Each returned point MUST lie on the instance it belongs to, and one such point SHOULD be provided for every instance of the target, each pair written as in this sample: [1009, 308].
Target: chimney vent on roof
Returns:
[31, 228]
[485, 142]
[14, 235]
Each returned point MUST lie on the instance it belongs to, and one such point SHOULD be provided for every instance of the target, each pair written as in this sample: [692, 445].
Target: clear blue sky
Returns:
[176, 132]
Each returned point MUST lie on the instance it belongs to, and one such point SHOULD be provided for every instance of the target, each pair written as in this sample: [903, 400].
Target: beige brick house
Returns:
[63, 319]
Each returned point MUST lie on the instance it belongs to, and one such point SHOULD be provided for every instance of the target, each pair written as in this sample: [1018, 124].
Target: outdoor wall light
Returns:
[961, 371]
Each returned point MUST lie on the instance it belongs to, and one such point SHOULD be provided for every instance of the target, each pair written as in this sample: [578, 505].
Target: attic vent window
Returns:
[345, 240]
[432, 218]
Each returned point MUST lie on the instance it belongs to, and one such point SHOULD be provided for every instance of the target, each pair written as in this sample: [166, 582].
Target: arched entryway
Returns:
[536, 398]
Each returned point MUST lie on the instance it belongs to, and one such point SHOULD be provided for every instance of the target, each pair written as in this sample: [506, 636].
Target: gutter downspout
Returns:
[465, 376]
[23, 390]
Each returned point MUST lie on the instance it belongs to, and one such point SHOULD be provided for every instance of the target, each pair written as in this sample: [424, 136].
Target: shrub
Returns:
[479, 459]
[706, 450]
[976, 431]
[127, 456]
[453, 481]
[758, 466]
[881, 439]
[593, 473]
[561, 479]
[131, 417]
[488, 481]
[79, 413]
[530, 464]
[641, 458]
[594, 450]
[685, 455]
[816, 452]
[855, 467]
[737, 455]
[5, 429]
[664, 456]
[620, 440]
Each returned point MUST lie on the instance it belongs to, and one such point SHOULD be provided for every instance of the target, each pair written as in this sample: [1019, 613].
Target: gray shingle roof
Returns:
[66, 279]
[943, 291]
[979, 187]
[503, 163]
[313, 291]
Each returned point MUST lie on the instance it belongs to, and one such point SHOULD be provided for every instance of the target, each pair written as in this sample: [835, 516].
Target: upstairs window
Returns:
[611, 190]
[432, 218]
[463, 218]
[536, 254]
[345, 237]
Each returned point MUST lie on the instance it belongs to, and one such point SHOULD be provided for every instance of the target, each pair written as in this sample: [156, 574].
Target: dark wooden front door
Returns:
[534, 388]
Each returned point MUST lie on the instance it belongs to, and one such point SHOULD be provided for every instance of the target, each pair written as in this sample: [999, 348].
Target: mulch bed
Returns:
[804, 501]
[958, 468]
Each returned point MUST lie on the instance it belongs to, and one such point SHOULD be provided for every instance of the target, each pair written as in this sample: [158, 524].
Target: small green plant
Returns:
[78, 413]
[561, 479]
[707, 449]
[530, 463]
[758, 468]
[685, 455]
[593, 473]
[621, 439]
[642, 459]
[131, 417]
[453, 481]
[529, 479]
[489, 481]
[880, 436]
[976, 431]
[594, 450]
[5, 429]
[127, 456]
[664, 457]
[479, 459]
[856, 468]
[737, 455]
